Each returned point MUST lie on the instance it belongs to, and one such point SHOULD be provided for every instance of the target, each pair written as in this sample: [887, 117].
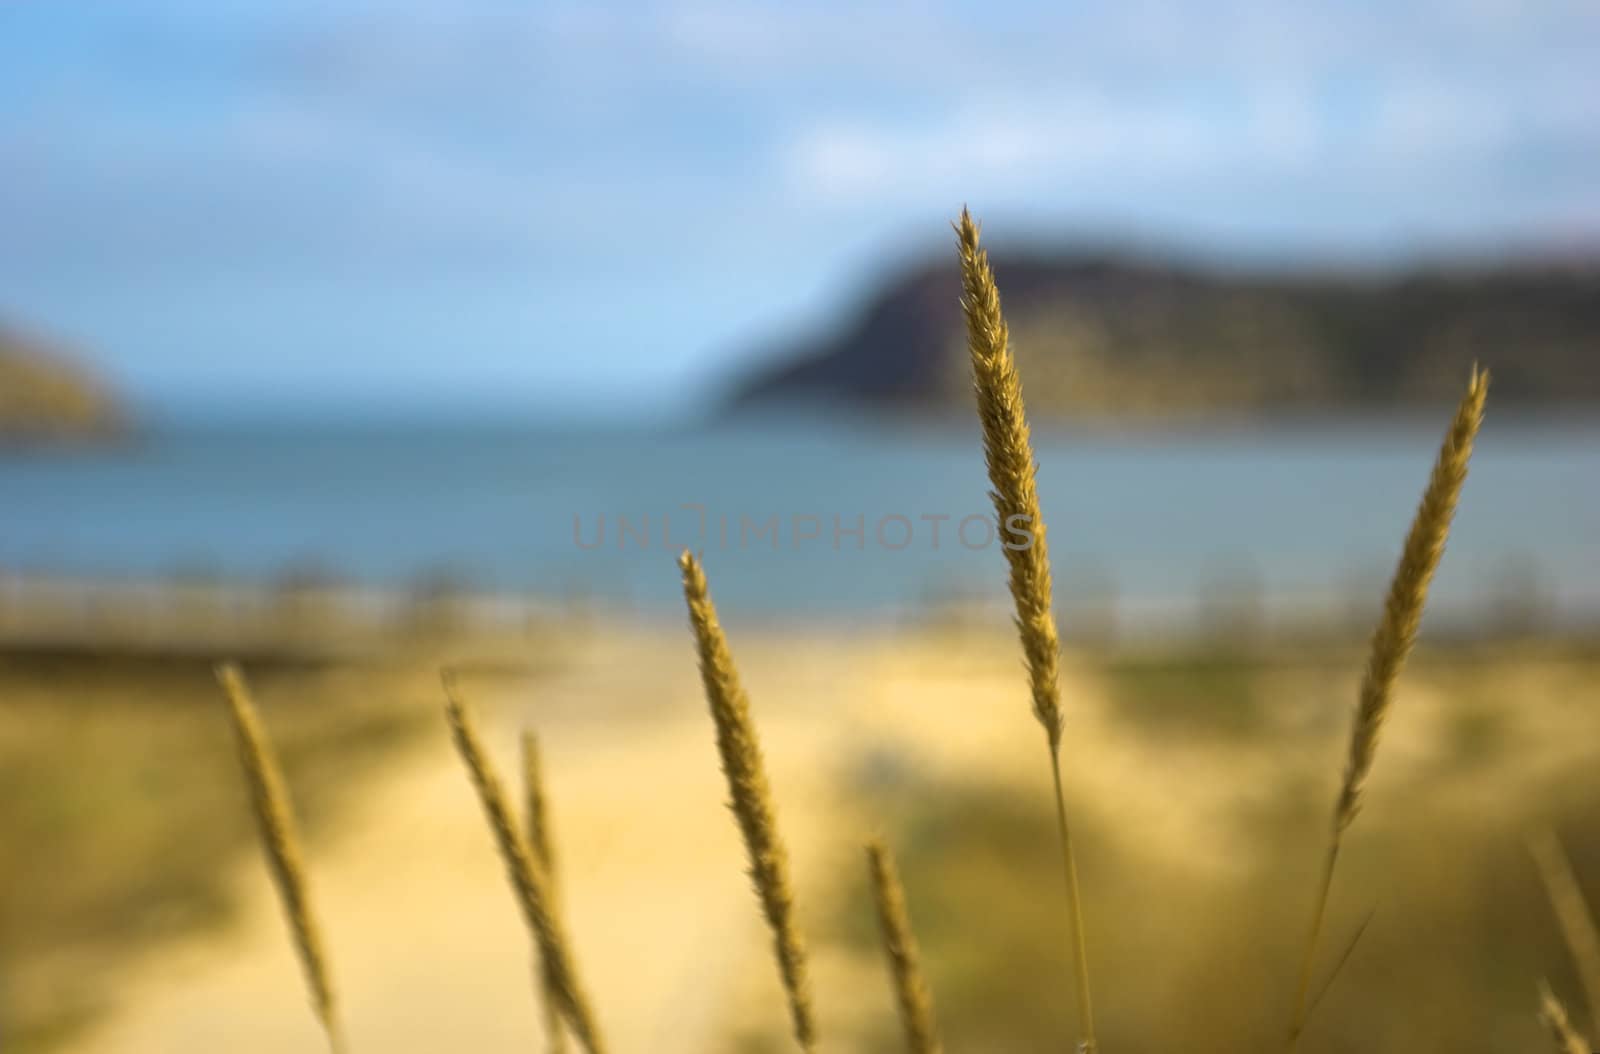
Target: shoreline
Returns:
[305, 620]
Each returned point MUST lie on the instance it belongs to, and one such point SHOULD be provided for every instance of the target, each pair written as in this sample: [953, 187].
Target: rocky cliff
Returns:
[44, 398]
[1106, 336]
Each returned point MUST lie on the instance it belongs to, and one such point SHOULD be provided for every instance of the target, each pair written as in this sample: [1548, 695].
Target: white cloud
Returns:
[682, 147]
[1019, 146]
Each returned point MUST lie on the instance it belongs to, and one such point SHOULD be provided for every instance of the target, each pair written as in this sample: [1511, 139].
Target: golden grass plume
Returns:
[528, 879]
[900, 948]
[1391, 645]
[542, 842]
[1008, 452]
[280, 839]
[1408, 593]
[740, 751]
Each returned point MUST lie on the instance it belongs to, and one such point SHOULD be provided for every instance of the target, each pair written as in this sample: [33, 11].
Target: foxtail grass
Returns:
[1008, 452]
[529, 881]
[542, 842]
[1567, 1039]
[900, 948]
[751, 796]
[1390, 646]
[280, 839]
[1572, 913]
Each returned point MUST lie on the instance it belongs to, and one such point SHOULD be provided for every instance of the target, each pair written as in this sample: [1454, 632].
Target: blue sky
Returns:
[577, 208]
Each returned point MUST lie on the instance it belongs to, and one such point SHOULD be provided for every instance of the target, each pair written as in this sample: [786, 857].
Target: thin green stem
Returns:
[1339, 964]
[1069, 870]
[1297, 1024]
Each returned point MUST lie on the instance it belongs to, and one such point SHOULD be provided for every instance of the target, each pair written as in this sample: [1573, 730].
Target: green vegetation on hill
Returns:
[1097, 336]
[44, 398]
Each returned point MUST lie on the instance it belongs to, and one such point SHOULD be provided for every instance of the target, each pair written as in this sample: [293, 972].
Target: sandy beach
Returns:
[428, 948]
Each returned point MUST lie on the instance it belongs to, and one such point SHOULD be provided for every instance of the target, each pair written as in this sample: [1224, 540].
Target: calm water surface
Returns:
[1305, 515]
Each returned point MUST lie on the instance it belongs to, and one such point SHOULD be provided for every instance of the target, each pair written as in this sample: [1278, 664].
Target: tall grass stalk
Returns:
[1567, 1040]
[1572, 912]
[542, 842]
[1390, 646]
[280, 839]
[528, 879]
[751, 796]
[1008, 452]
[900, 948]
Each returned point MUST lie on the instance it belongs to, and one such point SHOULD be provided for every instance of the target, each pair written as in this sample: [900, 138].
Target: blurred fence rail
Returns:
[312, 621]
[316, 619]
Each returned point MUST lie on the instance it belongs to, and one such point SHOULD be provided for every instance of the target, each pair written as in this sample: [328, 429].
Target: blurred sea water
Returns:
[819, 519]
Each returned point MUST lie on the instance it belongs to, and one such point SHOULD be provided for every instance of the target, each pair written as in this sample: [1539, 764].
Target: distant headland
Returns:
[46, 399]
[1101, 336]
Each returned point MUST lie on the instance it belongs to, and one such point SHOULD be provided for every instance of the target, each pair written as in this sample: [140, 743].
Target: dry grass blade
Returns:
[740, 750]
[528, 879]
[1340, 963]
[900, 947]
[1567, 1039]
[542, 842]
[1572, 912]
[279, 838]
[1391, 645]
[1008, 451]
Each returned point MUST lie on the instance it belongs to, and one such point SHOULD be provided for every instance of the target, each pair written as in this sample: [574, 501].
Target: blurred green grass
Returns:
[122, 808]
[1190, 956]
[123, 816]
